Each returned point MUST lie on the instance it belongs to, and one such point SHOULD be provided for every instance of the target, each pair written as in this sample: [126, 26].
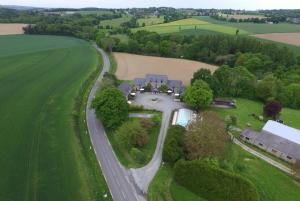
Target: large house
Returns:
[276, 138]
[156, 81]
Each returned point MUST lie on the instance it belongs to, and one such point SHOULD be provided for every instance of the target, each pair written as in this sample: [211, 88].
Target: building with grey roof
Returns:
[156, 81]
[277, 139]
[125, 88]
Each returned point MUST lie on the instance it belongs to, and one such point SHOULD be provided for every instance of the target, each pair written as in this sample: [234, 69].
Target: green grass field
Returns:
[150, 20]
[41, 155]
[246, 107]
[115, 23]
[189, 25]
[254, 28]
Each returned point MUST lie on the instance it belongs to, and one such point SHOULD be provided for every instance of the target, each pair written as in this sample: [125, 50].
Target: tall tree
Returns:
[111, 107]
[206, 137]
[198, 95]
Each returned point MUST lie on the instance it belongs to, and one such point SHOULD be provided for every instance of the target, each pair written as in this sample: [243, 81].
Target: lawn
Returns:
[148, 150]
[246, 107]
[41, 155]
[271, 183]
[189, 24]
[150, 20]
[254, 28]
[115, 23]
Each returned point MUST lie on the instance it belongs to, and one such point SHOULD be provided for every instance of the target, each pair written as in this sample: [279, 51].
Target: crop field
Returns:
[288, 38]
[242, 17]
[150, 20]
[11, 29]
[132, 66]
[41, 156]
[116, 22]
[189, 24]
[255, 28]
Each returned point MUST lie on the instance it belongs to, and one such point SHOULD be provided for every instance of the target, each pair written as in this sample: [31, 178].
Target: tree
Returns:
[107, 43]
[268, 88]
[163, 88]
[203, 74]
[272, 109]
[290, 96]
[111, 107]
[174, 148]
[206, 137]
[131, 134]
[198, 95]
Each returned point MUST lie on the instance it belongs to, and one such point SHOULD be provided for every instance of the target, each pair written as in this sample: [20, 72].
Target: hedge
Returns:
[214, 183]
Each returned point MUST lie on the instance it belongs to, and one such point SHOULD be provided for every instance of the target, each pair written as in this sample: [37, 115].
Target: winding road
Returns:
[117, 177]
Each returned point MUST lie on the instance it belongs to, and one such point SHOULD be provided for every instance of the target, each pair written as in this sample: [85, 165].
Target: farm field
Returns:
[115, 22]
[41, 156]
[255, 28]
[132, 66]
[150, 20]
[242, 17]
[11, 29]
[288, 38]
[189, 24]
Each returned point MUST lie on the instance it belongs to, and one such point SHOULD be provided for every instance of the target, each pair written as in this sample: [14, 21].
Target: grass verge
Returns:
[97, 183]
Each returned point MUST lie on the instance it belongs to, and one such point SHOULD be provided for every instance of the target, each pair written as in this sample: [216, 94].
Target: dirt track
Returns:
[10, 29]
[132, 66]
[288, 38]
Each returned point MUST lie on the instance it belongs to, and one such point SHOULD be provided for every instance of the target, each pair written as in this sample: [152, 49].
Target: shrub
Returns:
[272, 109]
[213, 183]
[137, 155]
[173, 147]
[147, 123]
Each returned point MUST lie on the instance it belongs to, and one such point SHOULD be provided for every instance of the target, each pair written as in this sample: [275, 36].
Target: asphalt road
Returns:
[116, 176]
[164, 103]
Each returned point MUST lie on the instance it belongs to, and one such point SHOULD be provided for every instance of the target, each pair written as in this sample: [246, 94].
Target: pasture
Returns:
[115, 23]
[150, 20]
[189, 24]
[288, 38]
[41, 156]
[254, 28]
[241, 17]
[132, 66]
[11, 29]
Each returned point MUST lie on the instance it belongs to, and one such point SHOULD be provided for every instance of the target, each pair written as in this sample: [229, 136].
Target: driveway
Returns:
[164, 103]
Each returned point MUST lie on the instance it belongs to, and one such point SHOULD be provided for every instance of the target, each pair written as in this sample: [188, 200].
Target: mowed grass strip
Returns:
[189, 24]
[40, 155]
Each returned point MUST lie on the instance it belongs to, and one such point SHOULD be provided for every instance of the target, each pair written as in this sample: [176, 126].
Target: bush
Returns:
[173, 147]
[213, 183]
[137, 155]
[131, 134]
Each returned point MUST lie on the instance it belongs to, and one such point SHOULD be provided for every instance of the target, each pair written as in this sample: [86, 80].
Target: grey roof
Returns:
[139, 81]
[270, 140]
[125, 88]
[176, 84]
[156, 78]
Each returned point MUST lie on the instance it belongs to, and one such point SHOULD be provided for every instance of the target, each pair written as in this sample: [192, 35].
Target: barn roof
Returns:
[282, 131]
[125, 88]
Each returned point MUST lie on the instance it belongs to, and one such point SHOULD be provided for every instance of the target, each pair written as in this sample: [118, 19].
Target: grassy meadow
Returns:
[41, 155]
[189, 24]
[115, 23]
[245, 108]
[254, 28]
[150, 20]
